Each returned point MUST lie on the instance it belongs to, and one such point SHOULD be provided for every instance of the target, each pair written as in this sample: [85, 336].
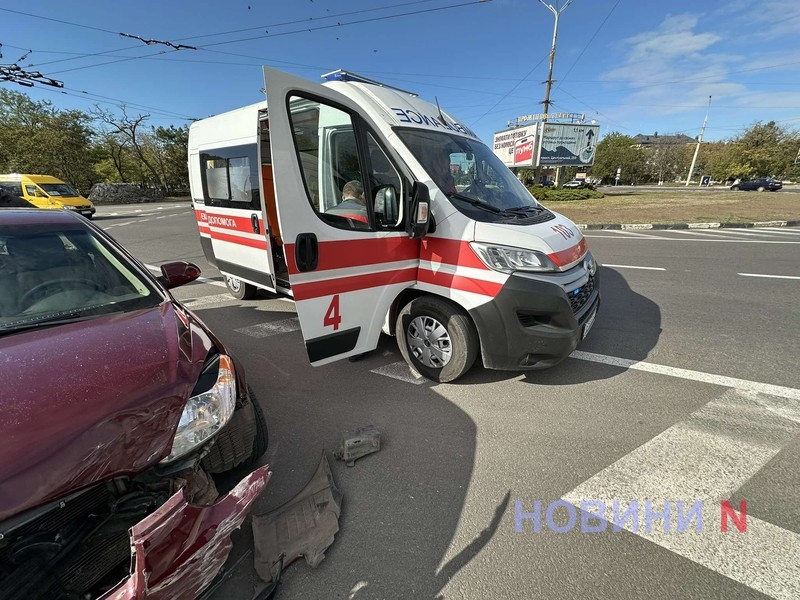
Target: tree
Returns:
[35, 137]
[615, 151]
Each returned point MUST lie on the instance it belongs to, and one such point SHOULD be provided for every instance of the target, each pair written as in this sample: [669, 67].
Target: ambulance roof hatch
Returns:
[341, 75]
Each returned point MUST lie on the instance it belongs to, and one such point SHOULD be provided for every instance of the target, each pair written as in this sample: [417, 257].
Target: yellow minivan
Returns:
[45, 191]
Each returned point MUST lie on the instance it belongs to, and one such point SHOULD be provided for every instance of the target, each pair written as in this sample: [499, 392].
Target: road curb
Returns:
[644, 226]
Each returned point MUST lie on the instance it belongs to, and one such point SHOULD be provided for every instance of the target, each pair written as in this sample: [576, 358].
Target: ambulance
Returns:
[448, 251]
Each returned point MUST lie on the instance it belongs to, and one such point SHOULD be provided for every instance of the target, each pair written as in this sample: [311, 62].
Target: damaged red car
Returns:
[119, 411]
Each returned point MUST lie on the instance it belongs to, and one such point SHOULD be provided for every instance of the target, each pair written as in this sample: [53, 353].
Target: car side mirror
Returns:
[174, 274]
[386, 206]
[418, 211]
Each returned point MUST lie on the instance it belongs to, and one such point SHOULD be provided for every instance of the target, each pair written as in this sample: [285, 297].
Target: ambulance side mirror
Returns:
[418, 213]
[387, 206]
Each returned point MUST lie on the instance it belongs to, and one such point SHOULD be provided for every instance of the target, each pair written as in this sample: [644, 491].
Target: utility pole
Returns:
[556, 12]
[699, 141]
[549, 83]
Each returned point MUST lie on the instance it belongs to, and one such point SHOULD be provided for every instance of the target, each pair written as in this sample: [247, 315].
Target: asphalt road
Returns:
[687, 389]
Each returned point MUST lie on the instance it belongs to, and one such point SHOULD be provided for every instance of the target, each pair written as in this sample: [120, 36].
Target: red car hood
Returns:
[86, 401]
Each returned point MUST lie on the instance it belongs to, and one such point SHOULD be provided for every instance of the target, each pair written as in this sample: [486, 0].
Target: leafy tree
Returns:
[615, 151]
[36, 137]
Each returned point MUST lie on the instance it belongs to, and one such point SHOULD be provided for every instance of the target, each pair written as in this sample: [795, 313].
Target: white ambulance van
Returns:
[446, 249]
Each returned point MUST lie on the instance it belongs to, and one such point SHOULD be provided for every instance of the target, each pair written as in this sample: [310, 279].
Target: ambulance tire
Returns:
[242, 441]
[239, 289]
[459, 337]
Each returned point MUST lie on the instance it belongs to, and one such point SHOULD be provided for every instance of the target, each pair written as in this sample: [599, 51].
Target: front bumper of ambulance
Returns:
[538, 319]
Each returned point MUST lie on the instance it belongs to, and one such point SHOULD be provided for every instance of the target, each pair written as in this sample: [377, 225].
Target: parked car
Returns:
[575, 183]
[119, 408]
[760, 185]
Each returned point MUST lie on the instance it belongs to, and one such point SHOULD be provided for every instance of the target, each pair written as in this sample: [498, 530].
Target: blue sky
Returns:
[636, 66]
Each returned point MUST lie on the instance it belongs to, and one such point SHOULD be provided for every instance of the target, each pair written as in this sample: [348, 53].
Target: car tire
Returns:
[735, 188]
[429, 322]
[761, 188]
[239, 289]
[242, 441]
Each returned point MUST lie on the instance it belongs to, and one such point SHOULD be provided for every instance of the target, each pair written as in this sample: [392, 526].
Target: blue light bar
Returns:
[341, 75]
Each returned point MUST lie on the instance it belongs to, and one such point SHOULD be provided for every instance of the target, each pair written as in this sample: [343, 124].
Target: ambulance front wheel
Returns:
[239, 289]
[436, 338]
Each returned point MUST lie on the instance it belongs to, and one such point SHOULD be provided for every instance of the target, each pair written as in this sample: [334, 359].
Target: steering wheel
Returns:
[36, 291]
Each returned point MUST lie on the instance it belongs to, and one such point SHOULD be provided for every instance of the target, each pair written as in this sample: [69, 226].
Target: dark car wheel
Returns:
[436, 338]
[239, 289]
[242, 441]
[735, 188]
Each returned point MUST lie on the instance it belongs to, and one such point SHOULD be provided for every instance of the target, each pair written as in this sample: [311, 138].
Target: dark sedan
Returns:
[119, 408]
[758, 185]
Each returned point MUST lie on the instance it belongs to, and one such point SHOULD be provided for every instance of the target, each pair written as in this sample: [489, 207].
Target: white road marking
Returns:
[633, 267]
[768, 276]
[706, 239]
[208, 300]
[635, 234]
[725, 443]
[271, 328]
[399, 370]
[781, 231]
[723, 380]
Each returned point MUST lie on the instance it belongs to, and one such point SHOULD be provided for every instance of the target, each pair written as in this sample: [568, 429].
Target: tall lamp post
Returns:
[699, 141]
[556, 13]
[549, 83]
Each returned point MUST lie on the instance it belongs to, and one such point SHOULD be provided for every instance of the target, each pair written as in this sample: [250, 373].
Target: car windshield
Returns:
[59, 189]
[471, 176]
[50, 276]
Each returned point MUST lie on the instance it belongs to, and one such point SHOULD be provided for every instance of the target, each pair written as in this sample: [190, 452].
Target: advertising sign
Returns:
[515, 147]
[565, 144]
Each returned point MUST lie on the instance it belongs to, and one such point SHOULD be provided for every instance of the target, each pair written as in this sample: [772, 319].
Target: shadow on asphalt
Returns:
[401, 506]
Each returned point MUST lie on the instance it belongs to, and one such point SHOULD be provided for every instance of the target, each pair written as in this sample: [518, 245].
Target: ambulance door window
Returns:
[230, 177]
[328, 154]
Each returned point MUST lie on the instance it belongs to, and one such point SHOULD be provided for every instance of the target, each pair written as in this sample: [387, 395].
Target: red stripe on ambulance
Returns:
[459, 282]
[329, 287]
[570, 255]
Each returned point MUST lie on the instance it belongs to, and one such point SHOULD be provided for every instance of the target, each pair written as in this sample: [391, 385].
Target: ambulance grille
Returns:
[579, 296]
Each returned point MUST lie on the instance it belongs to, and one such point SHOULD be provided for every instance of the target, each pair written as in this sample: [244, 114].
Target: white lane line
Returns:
[633, 267]
[740, 232]
[208, 300]
[271, 328]
[782, 231]
[707, 239]
[702, 232]
[768, 276]
[635, 234]
[723, 380]
[707, 457]
[399, 370]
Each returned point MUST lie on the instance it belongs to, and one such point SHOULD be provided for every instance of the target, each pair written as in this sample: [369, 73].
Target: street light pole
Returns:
[556, 12]
[549, 83]
[699, 141]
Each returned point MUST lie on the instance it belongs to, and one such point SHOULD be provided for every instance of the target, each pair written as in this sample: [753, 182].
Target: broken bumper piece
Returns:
[178, 550]
[304, 526]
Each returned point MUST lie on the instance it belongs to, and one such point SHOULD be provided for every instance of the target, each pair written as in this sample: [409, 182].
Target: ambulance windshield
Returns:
[471, 176]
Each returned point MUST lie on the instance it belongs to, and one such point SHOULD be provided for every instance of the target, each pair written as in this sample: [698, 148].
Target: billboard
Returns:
[567, 144]
[516, 147]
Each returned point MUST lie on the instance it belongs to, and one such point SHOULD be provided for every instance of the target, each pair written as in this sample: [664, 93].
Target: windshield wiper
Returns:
[475, 202]
[523, 210]
[27, 325]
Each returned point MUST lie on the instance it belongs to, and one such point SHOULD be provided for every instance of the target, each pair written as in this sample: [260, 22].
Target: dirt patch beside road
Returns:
[630, 205]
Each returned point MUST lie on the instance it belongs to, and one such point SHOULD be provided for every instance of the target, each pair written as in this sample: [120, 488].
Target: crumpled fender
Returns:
[179, 549]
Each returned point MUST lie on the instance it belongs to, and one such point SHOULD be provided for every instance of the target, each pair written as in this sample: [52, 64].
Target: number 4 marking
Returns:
[332, 317]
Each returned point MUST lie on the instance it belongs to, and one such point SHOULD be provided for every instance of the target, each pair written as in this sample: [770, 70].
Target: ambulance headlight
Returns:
[590, 264]
[507, 259]
[206, 412]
